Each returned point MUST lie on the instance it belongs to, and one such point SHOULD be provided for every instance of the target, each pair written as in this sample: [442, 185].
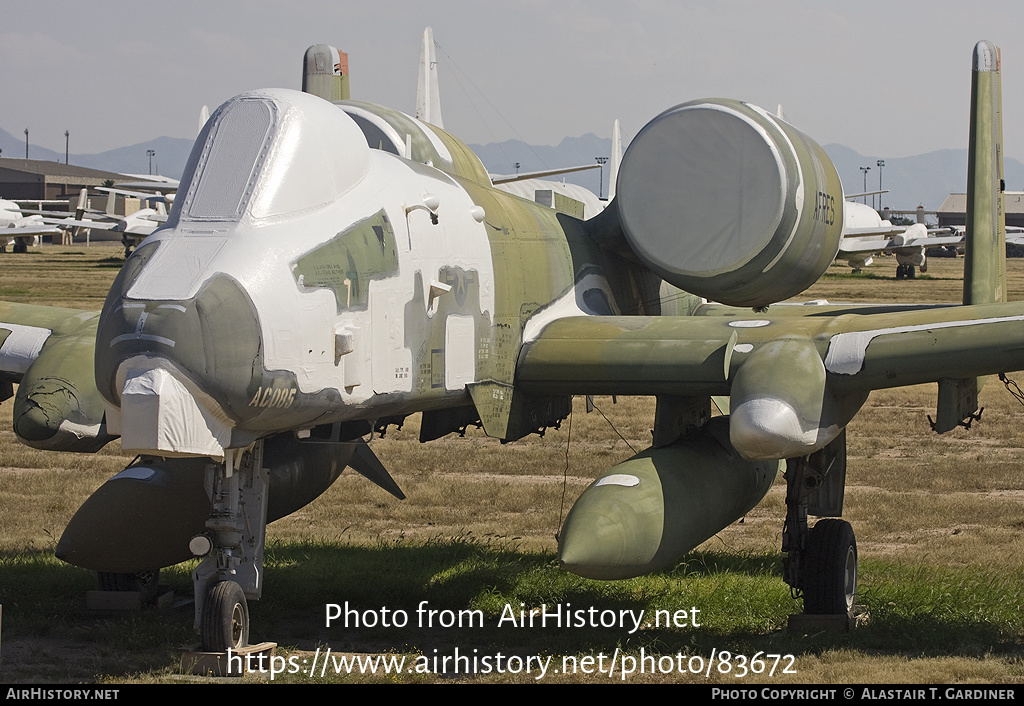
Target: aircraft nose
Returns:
[189, 363]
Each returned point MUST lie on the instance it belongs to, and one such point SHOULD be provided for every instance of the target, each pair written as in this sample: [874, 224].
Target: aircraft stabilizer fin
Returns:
[985, 249]
[428, 97]
[365, 463]
[985, 246]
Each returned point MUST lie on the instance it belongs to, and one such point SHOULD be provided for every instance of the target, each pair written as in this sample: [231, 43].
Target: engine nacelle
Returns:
[729, 202]
[57, 406]
[646, 512]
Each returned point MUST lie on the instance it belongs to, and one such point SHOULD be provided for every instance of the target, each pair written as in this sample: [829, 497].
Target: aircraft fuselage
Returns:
[321, 290]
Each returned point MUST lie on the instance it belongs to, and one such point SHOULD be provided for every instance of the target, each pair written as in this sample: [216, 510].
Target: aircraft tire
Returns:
[830, 578]
[20, 246]
[899, 271]
[225, 623]
[910, 272]
[144, 582]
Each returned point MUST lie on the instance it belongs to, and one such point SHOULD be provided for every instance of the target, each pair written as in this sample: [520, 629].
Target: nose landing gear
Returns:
[233, 545]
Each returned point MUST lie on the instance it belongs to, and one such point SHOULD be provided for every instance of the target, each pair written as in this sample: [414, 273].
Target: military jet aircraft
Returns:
[329, 268]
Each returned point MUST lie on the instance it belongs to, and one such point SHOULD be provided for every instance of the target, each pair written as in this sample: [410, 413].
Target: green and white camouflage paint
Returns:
[329, 268]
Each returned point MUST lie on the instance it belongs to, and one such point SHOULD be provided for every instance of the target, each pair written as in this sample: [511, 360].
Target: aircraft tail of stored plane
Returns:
[329, 269]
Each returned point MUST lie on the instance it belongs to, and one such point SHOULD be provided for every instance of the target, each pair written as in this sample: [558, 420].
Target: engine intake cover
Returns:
[724, 200]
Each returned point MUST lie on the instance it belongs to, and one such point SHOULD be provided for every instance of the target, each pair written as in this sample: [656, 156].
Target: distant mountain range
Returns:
[169, 160]
[924, 179]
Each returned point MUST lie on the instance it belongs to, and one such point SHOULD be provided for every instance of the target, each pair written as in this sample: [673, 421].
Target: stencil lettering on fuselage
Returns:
[347, 263]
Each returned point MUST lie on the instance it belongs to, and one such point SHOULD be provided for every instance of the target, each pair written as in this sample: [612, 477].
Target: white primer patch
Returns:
[743, 347]
[459, 352]
[846, 351]
[749, 323]
[799, 190]
[569, 304]
[178, 268]
[624, 479]
[435, 141]
[21, 347]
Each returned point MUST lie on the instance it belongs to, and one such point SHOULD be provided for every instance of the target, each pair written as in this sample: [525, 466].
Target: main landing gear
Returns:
[821, 564]
[830, 572]
[905, 271]
[233, 544]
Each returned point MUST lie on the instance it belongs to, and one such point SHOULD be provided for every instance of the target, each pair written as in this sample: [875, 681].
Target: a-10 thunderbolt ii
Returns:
[329, 268]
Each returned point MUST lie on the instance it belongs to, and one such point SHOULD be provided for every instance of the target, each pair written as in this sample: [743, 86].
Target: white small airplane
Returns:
[134, 227]
[20, 230]
[865, 234]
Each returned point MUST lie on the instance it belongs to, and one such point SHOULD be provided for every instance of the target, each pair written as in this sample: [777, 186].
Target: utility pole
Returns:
[66, 140]
[865, 170]
[600, 187]
[880, 164]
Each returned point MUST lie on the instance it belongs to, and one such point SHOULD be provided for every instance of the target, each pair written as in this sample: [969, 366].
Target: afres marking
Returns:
[825, 208]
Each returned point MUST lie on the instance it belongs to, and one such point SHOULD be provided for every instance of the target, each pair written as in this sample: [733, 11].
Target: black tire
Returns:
[910, 272]
[225, 623]
[899, 271]
[830, 569]
[20, 246]
[145, 582]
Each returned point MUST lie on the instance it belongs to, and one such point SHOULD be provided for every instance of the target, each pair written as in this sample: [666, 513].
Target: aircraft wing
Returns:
[17, 231]
[779, 409]
[543, 173]
[80, 223]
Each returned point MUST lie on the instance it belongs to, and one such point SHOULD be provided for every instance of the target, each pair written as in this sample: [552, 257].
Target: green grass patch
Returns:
[479, 594]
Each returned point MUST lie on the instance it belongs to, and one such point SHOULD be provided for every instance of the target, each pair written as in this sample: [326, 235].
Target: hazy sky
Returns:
[887, 79]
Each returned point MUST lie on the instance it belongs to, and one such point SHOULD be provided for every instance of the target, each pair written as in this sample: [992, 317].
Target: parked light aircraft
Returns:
[18, 229]
[331, 268]
[133, 227]
[866, 234]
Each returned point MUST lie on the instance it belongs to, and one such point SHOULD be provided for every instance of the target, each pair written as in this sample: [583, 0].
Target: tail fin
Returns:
[428, 98]
[613, 172]
[204, 115]
[985, 262]
[111, 207]
[83, 204]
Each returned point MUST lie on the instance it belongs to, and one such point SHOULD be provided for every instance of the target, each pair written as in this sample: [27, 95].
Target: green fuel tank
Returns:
[645, 513]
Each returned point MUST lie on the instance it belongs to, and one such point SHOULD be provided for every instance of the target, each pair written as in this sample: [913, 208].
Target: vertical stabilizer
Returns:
[985, 249]
[985, 261]
[616, 159]
[428, 98]
[204, 115]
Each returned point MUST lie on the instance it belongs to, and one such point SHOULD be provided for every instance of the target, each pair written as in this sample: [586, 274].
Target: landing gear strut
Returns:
[233, 544]
[821, 565]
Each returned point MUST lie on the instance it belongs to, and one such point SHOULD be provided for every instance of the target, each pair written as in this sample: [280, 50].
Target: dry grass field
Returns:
[939, 523]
